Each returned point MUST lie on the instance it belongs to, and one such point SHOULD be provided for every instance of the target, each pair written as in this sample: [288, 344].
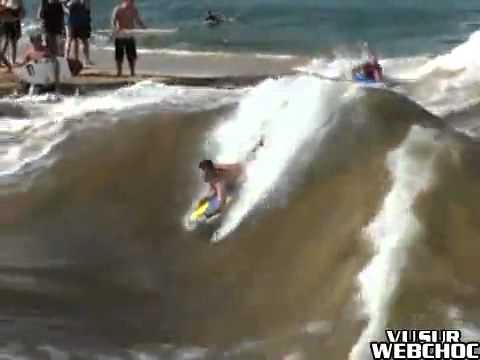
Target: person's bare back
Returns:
[126, 17]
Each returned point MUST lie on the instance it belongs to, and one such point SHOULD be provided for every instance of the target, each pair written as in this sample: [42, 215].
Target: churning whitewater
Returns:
[359, 213]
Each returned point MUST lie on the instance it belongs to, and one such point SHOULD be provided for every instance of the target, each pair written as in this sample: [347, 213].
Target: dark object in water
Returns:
[213, 19]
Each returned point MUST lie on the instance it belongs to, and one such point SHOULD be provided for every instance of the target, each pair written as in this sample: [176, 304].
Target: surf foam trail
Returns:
[393, 231]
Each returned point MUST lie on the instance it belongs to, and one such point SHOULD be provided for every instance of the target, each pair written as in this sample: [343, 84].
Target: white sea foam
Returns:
[286, 113]
[469, 330]
[212, 54]
[442, 84]
[392, 232]
[32, 139]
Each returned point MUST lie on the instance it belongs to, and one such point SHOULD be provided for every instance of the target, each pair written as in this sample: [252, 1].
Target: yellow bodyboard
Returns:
[202, 208]
[199, 211]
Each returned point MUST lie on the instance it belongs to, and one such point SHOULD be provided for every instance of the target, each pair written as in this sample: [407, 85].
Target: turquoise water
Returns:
[304, 26]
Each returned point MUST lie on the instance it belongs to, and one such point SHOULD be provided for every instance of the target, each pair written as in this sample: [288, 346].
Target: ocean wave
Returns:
[32, 139]
[393, 231]
[443, 83]
[143, 32]
[347, 188]
[213, 54]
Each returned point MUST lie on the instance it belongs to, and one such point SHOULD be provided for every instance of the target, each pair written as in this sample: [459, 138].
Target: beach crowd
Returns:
[66, 24]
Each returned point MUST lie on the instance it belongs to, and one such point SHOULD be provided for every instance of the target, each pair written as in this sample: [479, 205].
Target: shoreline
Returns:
[197, 71]
[92, 80]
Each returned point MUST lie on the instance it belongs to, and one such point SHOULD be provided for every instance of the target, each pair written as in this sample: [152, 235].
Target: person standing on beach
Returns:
[78, 28]
[13, 29]
[52, 15]
[125, 17]
[7, 15]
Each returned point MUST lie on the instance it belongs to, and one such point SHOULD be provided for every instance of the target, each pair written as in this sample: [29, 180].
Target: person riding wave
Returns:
[223, 179]
[370, 70]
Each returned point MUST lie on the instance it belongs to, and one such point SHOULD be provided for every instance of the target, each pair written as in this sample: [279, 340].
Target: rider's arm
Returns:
[220, 191]
[139, 20]
[114, 19]
[40, 11]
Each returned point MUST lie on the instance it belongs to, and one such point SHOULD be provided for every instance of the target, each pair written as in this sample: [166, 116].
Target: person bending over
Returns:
[223, 179]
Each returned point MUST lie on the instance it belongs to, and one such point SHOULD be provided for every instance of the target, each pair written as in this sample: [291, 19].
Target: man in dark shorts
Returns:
[52, 15]
[125, 17]
[79, 28]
